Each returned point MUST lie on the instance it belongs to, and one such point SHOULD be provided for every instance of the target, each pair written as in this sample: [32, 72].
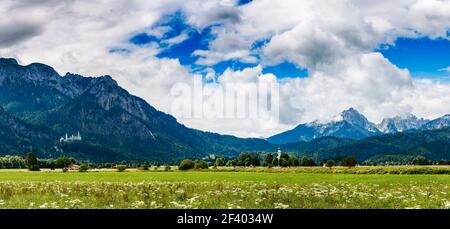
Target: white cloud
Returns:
[447, 69]
[227, 46]
[176, 40]
[333, 39]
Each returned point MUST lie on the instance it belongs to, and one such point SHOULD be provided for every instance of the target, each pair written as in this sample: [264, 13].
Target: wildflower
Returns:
[281, 206]
[138, 204]
[447, 204]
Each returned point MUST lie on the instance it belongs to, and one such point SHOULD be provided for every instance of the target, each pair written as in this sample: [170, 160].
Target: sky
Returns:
[384, 58]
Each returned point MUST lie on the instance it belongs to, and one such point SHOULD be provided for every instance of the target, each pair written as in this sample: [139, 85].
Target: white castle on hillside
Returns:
[71, 138]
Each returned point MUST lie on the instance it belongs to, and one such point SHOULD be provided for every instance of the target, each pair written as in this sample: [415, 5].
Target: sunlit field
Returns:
[226, 188]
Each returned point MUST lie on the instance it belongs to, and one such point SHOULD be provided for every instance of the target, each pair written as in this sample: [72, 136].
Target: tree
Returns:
[420, 160]
[444, 162]
[83, 167]
[349, 162]
[32, 162]
[254, 159]
[275, 162]
[306, 161]
[220, 161]
[186, 165]
[52, 165]
[293, 161]
[121, 168]
[330, 163]
[199, 164]
[284, 162]
[269, 159]
[145, 166]
[231, 163]
[243, 159]
[64, 161]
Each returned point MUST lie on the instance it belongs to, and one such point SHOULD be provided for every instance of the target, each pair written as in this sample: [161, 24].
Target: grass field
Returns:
[221, 189]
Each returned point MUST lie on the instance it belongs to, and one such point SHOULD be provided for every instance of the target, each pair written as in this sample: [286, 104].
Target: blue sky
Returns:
[424, 57]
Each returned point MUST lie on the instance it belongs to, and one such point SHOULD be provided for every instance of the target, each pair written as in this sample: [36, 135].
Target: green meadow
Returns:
[276, 188]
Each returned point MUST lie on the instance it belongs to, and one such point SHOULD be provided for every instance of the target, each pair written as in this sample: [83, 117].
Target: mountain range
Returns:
[354, 125]
[38, 107]
[398, 147]
[115, 125]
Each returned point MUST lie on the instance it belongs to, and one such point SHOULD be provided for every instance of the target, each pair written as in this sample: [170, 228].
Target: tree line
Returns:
[245, 159]
[285, 160]
[265, 160]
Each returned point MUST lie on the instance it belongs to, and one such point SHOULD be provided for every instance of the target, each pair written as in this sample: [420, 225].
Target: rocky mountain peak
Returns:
[353, 117]
[105, 86]
[352, 114]
[401, 123]
[106, 80]
[438, 123]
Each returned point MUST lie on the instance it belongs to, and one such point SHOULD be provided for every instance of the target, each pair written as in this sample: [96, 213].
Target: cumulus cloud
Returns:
[18, 32]
[205, 13]
[367, 82]
[334, 40]
[227, 46]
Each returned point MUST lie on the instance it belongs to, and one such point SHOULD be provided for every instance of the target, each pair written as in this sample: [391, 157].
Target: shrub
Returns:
[349, 162]
[167, 168]
[65, 170]
[83, 168]
[121, 168]
[200, 165]
[186, 165]
[330, 163]
[64, 162]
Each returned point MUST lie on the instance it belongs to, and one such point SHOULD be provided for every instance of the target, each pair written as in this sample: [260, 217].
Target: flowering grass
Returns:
[133, 189]
[220, 195]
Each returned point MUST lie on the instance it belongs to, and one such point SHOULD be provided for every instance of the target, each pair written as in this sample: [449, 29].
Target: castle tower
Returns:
[279, 153]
